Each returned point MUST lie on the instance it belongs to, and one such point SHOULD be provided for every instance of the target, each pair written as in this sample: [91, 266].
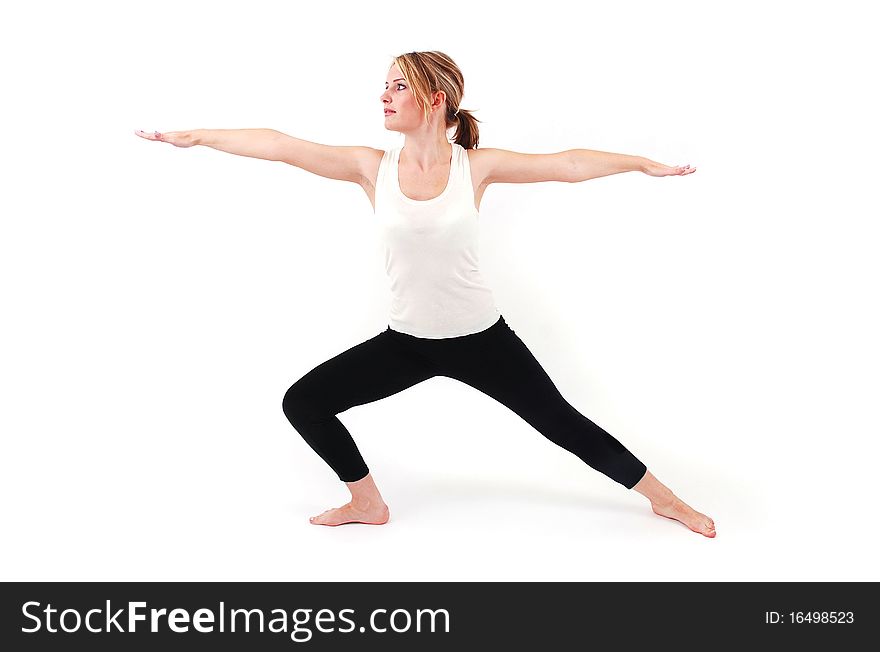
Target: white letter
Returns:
[78, 620]
[203, 614]
[113, 620]
[24, 611]
[134, 616]
[154, 624]
[89, 621]
[174, 616]
[48, 611]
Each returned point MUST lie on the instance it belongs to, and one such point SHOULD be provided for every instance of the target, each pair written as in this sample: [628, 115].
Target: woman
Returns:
[444, 321]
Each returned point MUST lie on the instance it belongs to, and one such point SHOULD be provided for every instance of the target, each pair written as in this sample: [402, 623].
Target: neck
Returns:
[426, 154]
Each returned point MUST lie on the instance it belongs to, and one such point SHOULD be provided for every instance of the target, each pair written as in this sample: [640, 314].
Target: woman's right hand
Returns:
[176, 138]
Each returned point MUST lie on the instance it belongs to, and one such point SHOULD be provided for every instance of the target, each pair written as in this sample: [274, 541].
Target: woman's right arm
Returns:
[346, 163]
[256, 143]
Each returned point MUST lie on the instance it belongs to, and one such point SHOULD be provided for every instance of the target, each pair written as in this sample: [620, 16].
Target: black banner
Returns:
[430, 615]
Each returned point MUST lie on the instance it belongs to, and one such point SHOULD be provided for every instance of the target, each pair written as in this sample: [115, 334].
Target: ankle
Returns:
[663, 499]
[365, 502]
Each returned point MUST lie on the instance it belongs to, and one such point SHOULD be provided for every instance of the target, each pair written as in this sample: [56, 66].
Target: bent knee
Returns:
[295, 401]
[300, 405]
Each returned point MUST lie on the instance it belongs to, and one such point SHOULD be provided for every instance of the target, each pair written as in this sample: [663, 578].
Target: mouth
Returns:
[387, 112]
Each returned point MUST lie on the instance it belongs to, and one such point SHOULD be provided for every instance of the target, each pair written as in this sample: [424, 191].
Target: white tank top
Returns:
[432, 254]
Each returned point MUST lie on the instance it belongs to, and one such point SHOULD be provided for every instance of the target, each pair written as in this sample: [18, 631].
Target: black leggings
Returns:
[494, 361]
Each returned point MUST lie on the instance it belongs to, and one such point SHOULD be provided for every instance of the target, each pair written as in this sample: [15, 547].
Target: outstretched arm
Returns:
[346, 163]
[590, 164]
[571, 166]
[256, 143]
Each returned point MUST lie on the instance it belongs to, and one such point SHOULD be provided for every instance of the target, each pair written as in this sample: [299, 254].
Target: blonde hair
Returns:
[429, 72]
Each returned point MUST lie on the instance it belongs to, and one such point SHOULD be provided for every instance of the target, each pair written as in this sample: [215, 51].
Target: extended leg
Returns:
[499, 364]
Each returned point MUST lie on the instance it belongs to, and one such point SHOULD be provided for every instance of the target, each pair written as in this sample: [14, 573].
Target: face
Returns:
[398, 98]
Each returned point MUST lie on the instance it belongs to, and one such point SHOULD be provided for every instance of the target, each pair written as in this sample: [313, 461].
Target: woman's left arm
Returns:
[591, 163]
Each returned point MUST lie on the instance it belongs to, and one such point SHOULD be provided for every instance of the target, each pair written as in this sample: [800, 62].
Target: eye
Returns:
[398, 85]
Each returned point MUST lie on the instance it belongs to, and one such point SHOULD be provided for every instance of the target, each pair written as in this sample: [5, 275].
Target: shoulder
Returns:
[369, 156]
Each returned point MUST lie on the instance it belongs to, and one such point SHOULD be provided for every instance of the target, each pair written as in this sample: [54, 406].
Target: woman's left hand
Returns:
[659, 170]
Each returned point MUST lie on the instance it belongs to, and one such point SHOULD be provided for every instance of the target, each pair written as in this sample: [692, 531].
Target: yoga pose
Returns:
[426, 197]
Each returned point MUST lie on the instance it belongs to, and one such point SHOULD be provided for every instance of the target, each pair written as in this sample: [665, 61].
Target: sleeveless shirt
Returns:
[432, 254]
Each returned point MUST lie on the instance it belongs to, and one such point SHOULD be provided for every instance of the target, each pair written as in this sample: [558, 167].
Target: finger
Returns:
[149, 136]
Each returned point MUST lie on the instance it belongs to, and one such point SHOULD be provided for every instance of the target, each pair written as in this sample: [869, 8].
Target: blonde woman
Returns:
[444, 322]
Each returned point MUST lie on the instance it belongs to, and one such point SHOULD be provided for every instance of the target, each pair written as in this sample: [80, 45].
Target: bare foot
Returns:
[348, 513]
[679, 511]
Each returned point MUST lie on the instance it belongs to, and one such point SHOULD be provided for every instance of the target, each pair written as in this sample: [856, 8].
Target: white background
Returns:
[158, 302]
